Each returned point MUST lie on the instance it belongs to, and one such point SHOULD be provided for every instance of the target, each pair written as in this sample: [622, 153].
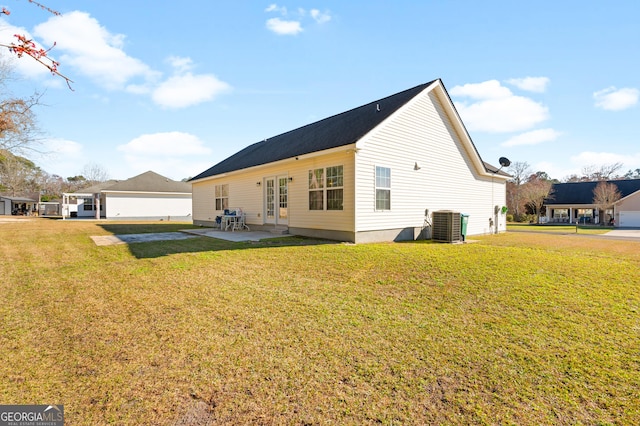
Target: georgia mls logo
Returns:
[31, 415]
[53, 407]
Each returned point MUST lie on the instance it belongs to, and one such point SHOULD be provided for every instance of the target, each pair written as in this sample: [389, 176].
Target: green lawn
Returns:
[518, 328]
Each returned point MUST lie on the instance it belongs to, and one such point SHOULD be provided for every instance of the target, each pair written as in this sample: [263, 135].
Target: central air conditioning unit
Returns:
[446, 226]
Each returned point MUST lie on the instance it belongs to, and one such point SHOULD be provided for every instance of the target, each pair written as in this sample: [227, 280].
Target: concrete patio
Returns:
[235, 236]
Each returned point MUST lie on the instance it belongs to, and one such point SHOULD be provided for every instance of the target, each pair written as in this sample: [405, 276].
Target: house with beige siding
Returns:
[373, 173]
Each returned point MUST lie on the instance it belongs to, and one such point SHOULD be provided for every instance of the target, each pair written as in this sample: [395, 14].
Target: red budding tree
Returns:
[25, 46]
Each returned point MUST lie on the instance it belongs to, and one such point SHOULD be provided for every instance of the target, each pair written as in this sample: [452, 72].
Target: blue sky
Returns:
[176, 88]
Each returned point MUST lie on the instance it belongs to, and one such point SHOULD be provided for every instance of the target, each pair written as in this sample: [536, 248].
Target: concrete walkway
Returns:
[235, 236]
[627, 233]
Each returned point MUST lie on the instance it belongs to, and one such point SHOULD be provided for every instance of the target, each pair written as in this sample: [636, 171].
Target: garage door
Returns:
[630, 219]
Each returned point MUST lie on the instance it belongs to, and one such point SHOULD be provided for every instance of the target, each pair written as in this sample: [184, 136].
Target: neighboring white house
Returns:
[148, 196]
[367, 174]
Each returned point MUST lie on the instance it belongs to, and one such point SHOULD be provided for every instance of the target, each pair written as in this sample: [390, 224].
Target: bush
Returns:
[509, 218]
[519, 217]
[531, 218]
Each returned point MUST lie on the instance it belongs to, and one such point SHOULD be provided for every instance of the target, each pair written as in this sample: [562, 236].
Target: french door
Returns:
[276, 200]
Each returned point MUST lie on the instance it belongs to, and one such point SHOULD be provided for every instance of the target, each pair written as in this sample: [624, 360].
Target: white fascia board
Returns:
[80, 194]
[146, 192]
[628, 196]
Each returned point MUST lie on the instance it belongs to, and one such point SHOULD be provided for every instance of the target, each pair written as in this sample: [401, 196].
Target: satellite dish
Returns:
[504, 162]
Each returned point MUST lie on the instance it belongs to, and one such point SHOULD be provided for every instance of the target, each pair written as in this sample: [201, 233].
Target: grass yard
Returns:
[513, 329]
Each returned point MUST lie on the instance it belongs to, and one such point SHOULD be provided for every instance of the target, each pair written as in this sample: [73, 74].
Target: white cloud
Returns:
[320, 17]
[293, 26]
[576, 163]
[588, 158]
[167, 143]
[496, 109]
[534, 137]
[275, 8]
[530, 84]
[614, 99]
[180, 64]
[173, 154]
[185, 90]
[491, 89]
[60, 155]
[96, 53]
[64, 147]
[283, 27]
[92, 50]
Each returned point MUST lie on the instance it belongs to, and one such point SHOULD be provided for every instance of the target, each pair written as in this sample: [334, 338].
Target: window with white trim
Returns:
[326, 188]
[383, 188]
[89, 204]
[222, 197]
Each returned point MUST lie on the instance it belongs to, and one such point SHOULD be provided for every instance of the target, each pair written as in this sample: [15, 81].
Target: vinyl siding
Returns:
[243, 193]
[447, 180]
[631, 203]
[148, 205]
[301, 216]
[203, 202]
[246, 194]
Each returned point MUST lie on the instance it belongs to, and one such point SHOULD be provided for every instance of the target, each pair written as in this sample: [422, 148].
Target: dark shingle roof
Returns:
[582, 192]
[332, 132]
[145, 182]
[19, 199]
[150, 182]
[94, 189]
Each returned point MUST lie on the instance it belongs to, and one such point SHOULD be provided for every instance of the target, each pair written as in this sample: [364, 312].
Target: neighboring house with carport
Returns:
[572, 202]
[148, 196]
[18, 205]
[367, 174]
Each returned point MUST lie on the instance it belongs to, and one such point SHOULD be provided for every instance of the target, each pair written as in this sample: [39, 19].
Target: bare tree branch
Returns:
[605, 195]
[603, 172]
